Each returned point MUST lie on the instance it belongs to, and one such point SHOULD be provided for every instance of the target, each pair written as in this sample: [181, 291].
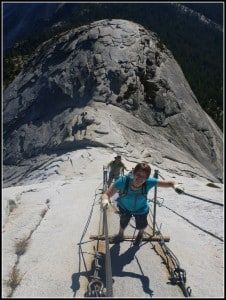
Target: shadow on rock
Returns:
[119, 261]
[89, 274]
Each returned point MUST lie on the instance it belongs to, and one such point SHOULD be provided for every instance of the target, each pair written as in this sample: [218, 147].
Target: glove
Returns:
[178, 189]
[105, 203]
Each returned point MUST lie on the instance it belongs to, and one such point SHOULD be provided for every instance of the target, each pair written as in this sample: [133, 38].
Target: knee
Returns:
[141, 223]
[124, 220]
[141, 226]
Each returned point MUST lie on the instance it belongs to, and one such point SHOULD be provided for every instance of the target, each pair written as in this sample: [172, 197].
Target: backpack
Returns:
[126, 188]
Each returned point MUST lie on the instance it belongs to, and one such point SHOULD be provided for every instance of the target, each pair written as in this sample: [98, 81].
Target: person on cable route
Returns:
[133, 201]
[116, 168]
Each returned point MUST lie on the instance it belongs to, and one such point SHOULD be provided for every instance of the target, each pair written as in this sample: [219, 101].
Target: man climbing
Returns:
[132, 199]
[116, 168]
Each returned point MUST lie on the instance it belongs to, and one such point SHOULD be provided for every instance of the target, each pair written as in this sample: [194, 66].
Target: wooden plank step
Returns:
[101, 247]
[155, 238]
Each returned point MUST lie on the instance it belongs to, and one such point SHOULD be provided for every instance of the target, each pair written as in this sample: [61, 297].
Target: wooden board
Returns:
[155, 238]
[101, 247]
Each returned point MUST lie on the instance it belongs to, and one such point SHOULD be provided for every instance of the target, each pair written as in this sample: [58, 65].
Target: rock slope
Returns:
[112, 67]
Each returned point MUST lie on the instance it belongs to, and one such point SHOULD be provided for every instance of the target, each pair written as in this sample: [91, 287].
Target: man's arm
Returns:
[105, 197]
[124, 167]
[170, 183]
[166, 183]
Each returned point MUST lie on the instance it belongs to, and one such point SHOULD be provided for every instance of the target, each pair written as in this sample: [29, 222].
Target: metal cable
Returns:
[90, 214]
[186, 219]
[200, 228]
[178, 275]
[197, 197]
[85, 230]
[96, 286]
[202, 199]
[168, 251]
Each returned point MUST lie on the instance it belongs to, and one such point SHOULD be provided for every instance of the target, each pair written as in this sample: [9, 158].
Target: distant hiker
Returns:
[116, 169]
[83, 115]
[83, 122]
[132, 199]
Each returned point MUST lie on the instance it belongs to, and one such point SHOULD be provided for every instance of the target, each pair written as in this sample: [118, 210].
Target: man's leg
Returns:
[141, 224]
[121, 231]
[124, 221]
[141, 232]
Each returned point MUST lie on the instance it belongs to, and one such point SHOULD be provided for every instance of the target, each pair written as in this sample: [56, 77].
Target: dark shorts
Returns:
[125, 216]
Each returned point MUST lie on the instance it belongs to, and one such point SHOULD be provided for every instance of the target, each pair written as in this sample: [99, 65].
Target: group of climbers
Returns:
[132, 189]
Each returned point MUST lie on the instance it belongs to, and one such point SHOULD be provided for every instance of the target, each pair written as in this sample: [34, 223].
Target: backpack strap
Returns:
[144, 189]
[126, 187]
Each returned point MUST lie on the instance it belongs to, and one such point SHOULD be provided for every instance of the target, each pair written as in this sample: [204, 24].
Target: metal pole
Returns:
[109, 289]
[155, 194]
[104, 178]
[109, 292]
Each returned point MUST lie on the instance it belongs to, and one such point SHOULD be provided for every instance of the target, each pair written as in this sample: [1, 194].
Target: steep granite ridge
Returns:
[110, 84]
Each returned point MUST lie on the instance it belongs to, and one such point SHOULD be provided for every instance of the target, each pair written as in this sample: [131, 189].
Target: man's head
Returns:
[118, 157]
[140, 173]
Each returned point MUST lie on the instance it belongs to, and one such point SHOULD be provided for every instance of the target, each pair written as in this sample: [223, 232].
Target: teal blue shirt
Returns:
[134, 201]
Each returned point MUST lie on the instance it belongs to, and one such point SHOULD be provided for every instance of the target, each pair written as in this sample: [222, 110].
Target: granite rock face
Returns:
[108, 84]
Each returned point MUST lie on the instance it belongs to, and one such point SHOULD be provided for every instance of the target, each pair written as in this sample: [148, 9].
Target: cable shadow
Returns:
[87, 273]
[75, 285]
[193, 224]
[119, 261]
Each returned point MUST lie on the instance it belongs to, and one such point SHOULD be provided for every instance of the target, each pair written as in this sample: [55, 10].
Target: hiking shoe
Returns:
[118, 238]
[138, 240]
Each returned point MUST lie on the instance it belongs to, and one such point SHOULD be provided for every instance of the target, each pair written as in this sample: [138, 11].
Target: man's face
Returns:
[139, 178]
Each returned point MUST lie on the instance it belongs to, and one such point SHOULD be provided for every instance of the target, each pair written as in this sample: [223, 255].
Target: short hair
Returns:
[118, 156]
[142, 167]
